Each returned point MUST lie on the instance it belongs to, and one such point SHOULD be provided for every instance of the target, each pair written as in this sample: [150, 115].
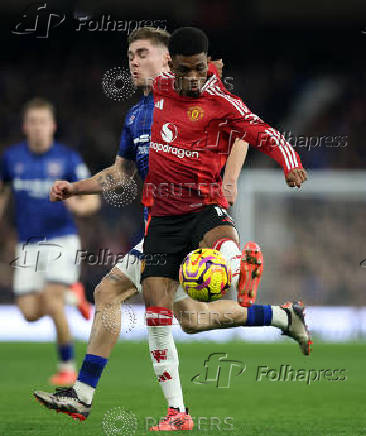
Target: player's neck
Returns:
[39, 147]
[148, 88]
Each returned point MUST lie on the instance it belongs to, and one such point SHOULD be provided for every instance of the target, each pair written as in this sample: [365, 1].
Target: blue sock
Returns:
[259, 316]
[65, 352]
[91, 369]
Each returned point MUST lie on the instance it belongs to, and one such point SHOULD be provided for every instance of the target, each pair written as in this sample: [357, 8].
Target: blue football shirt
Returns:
[31, 176]
[135, 137]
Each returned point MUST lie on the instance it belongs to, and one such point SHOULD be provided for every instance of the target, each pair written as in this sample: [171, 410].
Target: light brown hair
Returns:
[39, 103]
[154, 35]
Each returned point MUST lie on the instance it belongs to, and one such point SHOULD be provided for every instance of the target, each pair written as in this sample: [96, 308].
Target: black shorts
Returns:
[171, 238]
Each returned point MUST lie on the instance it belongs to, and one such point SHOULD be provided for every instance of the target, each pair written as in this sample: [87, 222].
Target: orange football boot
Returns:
[84, 307]
[64, 378]
[251, 269]
[174, 421]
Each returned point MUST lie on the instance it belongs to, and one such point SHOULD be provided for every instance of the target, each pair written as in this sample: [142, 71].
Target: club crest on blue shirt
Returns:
[54, 169]
[19, 168]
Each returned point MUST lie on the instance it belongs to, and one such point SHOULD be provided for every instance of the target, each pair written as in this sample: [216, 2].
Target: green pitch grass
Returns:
[247, 407]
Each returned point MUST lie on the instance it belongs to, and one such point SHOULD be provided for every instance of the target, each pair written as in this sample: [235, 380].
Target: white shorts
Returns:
[130, 266]
[52, 260]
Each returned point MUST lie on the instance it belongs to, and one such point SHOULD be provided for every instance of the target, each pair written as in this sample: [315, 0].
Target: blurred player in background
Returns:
[148, 57]
[46, 272]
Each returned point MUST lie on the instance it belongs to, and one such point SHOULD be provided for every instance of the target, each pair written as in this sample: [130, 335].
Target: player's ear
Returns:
[24, 126]
[167, 59]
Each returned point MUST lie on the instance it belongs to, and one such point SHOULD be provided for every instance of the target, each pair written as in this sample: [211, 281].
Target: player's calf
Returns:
[158, 295]
[251, 269]
[109, 294]
[195, 316]
[113, 290]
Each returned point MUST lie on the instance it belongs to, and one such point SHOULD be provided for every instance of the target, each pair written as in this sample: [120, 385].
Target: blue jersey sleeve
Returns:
[78, 170]
[126, 145]
[5, 176]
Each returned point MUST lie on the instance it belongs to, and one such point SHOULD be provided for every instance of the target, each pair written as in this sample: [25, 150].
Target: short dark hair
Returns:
[39, 103]
[188, 41]
[154, 35]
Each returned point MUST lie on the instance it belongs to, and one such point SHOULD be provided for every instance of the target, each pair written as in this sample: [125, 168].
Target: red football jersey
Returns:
[191, 140]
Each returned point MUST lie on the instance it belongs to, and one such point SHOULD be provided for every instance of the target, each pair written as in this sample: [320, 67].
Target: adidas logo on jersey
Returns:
[159, 104]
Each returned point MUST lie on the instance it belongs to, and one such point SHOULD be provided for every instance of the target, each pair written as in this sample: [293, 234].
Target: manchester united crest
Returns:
[195, 113]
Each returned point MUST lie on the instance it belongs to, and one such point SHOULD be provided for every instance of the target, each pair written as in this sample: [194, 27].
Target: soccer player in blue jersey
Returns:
[48, 240]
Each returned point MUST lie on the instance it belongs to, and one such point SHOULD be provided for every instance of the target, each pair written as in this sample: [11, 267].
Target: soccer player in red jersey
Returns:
[114, 288]
[148, 56]
[195, 120]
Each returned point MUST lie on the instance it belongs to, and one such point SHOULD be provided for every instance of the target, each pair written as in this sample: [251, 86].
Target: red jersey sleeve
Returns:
[244, 124]
[212, 69]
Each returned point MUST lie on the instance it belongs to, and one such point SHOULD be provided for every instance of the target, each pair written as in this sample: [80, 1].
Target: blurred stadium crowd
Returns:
[297, 79]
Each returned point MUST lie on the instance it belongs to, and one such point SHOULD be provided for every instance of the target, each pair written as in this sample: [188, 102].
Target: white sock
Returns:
[85, 392]
[66, 366]
[279, 317]
[164, 354]
[70, 298]
[232, 254]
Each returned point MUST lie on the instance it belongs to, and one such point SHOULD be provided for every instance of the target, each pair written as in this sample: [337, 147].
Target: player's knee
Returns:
[189, 324]
[30, 316]
[189, 328]
[113, 289]
[190, 315]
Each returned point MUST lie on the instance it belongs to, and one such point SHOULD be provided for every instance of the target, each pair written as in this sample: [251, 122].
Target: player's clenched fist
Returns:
[296, 177]
[60, 190]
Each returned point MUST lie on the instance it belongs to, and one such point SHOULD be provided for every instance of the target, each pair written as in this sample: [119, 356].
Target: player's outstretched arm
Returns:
[233, 167]
[268, 140]
[105, 179]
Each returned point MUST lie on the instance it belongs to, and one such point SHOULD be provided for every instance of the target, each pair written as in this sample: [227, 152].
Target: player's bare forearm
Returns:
[110, 177]
[95, 184]
[234, 165]
[106, 179]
